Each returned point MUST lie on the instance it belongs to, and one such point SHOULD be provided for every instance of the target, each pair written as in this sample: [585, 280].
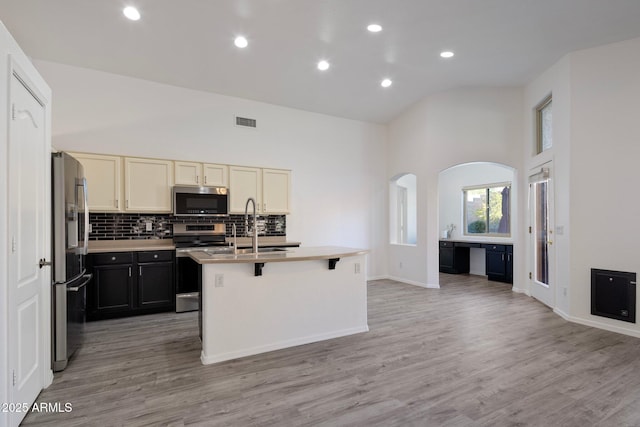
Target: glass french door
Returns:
[541, 235]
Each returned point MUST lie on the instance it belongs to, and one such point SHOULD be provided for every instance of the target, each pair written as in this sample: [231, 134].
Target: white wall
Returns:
[443, 130]
[450, 184]
[554, 81]
[339, 174]
[605, 150]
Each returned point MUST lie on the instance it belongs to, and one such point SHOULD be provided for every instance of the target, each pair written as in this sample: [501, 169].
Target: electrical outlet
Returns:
[356, 268]
[219, 280]
[149, 226]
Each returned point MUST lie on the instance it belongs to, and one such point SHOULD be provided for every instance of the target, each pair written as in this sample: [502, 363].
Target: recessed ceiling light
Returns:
[131, 13]
[446, 54]
[374, 28]
[386, 83]
[323, 65]
[241, 42]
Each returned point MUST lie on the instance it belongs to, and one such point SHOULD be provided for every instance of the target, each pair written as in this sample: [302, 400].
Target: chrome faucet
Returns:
[254, 233]
[235, 240]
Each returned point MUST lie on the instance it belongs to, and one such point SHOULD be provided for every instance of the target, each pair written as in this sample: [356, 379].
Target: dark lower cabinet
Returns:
[112, 289]
[509, 277]
[454, 259]
[153, 289]
[499, 262]
[130, 283]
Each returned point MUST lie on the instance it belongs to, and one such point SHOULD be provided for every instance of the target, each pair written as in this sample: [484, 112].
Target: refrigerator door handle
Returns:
[86, 216]
[87, 278]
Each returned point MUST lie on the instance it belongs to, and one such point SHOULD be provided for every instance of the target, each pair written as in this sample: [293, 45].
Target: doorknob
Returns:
[43, 262]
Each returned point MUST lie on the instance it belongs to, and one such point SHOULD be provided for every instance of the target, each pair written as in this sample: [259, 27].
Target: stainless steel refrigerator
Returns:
[70, 243]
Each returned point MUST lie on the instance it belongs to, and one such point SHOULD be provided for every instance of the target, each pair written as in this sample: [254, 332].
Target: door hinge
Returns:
[13, 244]
[530, 275]
[13, 111]
[529, 229]
[13, 372]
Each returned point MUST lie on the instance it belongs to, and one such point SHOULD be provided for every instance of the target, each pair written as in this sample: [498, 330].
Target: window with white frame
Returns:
[544, 119]
[487, 210]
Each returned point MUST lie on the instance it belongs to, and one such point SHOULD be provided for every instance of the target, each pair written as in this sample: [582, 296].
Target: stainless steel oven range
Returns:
[190, 237]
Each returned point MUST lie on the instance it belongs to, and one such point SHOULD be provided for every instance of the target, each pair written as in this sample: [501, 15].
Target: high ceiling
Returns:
[189, 43]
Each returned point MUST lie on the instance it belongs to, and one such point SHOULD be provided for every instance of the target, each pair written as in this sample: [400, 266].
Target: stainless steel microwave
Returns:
[200, 201]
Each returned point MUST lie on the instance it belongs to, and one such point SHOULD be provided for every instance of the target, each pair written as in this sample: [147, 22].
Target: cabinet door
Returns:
[187, 173]
[244, 183]
[496, 265]
[111, 291]
[148, 184]
[446, 259]
[276, 186]
[509, 267]
[215, 175]
[155, 285]
[103, 180]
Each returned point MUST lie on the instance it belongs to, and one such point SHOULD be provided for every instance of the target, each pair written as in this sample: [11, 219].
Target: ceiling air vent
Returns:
[245, 122]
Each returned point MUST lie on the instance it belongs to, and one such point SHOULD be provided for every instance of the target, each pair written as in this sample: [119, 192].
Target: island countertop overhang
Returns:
[291, 254]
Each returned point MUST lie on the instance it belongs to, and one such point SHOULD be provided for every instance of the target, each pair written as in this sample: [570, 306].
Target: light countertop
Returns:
[102, 246]
[290, 254]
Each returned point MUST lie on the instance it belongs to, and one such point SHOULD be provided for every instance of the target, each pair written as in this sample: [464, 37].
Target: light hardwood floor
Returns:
[472, 353]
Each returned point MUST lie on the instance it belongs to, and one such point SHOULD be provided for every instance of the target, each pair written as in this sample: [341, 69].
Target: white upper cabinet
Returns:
[244, 183]
[148, 185]
[187, 173]
[103, 181]
[202, 174]
[270, 188]
[216, 175]
[276, 190]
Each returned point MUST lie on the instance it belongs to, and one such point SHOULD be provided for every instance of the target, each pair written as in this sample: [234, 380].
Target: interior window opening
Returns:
[403, 209]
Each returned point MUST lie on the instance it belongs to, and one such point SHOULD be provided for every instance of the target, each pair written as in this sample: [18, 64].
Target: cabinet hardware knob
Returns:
[205, 179]
[140, 270]
[113, 258]
[116, 203]
[129, 271]
[155, 256]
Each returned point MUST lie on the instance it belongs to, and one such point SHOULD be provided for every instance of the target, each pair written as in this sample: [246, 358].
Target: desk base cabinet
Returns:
[454, 259]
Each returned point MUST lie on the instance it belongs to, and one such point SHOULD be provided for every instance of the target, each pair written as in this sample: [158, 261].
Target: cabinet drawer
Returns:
[112, 258]
[154, 256]
[497, 248]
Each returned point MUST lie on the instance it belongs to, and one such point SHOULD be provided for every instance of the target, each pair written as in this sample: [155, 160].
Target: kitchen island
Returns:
[254, 303]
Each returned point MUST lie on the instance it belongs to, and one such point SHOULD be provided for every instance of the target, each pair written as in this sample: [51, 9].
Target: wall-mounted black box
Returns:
[613, 294]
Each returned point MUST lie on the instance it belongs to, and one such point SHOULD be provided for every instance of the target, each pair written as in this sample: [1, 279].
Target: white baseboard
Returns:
[414, 283]
[377, 278]
[605, 326]
[207, 360]
[561, 313]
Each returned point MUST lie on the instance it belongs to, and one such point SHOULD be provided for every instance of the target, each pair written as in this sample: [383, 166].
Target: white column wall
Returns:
[443, 130]
[554, 81]
[605, 148]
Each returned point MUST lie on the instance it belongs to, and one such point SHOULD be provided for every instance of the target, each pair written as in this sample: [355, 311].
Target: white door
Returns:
[27, 227]
[542, 262]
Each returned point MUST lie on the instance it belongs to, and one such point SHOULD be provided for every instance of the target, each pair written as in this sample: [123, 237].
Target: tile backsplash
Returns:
[126, 226]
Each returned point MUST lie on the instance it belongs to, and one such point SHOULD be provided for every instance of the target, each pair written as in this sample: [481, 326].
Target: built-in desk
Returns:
[454, 258]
